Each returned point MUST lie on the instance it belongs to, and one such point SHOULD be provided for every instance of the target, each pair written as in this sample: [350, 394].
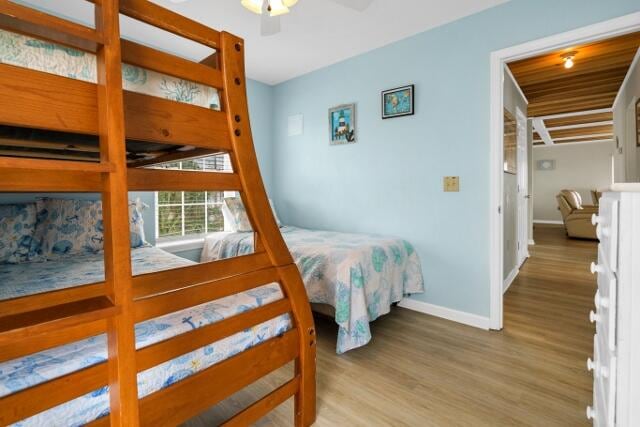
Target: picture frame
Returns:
[342, 124]
[398, 102]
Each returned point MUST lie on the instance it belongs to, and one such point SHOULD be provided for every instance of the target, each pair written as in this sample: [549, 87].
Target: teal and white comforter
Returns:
[40, 55]
[21, 279]
[360, 275]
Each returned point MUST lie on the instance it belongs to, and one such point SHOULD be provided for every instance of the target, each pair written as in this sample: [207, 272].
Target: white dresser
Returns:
[615, 363]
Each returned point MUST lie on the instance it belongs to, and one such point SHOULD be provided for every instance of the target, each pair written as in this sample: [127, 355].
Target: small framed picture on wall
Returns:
[342, 124]
[397, 102]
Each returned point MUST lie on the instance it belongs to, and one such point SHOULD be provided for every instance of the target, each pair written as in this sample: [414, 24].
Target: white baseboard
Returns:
[446, 313]
[546, 221]
[509, 280]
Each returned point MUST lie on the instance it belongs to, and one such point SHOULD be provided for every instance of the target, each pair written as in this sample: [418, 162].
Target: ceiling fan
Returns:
[271, 10]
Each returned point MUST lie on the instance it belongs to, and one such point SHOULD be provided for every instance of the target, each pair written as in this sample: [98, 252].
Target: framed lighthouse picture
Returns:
[342, 124]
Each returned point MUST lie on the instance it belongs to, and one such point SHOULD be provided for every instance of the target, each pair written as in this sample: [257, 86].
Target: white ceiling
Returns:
[315, 34]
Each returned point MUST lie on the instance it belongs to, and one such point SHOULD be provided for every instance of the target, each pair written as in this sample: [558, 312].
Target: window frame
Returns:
[194, 236]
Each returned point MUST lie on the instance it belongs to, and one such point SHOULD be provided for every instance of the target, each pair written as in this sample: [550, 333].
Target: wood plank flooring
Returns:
[420, 370]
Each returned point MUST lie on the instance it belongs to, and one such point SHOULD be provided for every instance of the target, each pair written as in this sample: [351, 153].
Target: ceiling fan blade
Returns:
[269, 25]
[359, 5]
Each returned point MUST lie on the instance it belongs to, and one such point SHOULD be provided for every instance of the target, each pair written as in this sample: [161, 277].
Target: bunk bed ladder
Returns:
[111, 309]
[38, 322]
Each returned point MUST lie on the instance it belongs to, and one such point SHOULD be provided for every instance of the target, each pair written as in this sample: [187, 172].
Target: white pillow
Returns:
[235, 215]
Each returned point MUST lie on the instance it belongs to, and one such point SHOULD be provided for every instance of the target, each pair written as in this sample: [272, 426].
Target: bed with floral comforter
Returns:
[28, 278]
[360, 275]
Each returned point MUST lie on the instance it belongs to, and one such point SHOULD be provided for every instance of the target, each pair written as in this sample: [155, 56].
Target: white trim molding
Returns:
[581, 125]
[575, 113]
[181, 245]
[635, 60]
[510, 278]
[541, 129]
[562, 144]
[548, 221]
[590, 33]
[446, 313]
[532, 242]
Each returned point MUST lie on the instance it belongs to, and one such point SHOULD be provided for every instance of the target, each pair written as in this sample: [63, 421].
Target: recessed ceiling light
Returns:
[568, 59]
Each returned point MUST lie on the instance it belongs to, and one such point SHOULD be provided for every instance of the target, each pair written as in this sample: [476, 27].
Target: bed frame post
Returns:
[117, 252]
[245, 163]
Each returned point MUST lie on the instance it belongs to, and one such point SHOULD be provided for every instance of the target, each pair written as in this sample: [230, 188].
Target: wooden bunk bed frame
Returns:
[38, 100]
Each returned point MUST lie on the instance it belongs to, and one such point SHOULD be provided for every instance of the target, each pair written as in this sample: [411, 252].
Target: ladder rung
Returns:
[18, 406]
[36, 344]
[157, 16]
[159, 282]
[173, 180]
[236, 373]
[30, 180]
[29, 324]
[191, 296]
[152, 59]
[259, 409]
[22, 19]
[47, 299]
[9, 163]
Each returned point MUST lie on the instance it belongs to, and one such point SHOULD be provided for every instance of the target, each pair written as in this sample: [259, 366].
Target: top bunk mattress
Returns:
[35, 54]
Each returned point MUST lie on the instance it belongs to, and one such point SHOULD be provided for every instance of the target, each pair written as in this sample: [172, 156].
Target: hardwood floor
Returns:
[420, 370]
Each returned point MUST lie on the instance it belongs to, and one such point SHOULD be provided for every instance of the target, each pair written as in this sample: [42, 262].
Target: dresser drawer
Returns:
[605, 330]
[606, 278]
[603, 367]
[607, 231]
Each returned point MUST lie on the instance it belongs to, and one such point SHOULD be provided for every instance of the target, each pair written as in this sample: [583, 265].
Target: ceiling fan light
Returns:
[278, 7]
[254, 6]
[289, 3]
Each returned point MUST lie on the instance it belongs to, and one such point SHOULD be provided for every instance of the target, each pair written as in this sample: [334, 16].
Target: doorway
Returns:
[608, 29]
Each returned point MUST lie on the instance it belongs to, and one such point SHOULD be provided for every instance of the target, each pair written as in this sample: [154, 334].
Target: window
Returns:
[189, 213]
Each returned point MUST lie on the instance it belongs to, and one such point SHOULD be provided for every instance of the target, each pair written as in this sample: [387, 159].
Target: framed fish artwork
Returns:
[397, 102]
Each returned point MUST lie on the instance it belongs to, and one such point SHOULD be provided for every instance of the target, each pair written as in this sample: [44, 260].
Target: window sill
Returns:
[181, 245]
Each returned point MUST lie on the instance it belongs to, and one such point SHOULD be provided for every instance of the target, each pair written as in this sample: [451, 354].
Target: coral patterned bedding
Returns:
[360, 275]
[25, 278]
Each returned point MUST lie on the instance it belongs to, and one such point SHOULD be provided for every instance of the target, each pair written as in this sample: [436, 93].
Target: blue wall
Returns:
[390, 181]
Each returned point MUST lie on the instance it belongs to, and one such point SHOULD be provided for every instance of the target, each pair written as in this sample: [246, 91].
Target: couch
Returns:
[576, 216]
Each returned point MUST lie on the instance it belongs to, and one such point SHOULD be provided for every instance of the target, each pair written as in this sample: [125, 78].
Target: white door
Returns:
[523, 188]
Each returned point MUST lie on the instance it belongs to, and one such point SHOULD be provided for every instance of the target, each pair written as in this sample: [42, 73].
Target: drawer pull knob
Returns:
[593, 317]
[595, 219]
[602, 232]
[590, 365]
[595, 268]
[591, 413]
[601, 301]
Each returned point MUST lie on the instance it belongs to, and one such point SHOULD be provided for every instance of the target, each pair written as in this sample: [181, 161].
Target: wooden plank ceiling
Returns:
[590, 85]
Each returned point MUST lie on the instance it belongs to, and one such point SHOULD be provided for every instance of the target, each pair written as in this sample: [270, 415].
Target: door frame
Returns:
[522, 177]
[602, 30]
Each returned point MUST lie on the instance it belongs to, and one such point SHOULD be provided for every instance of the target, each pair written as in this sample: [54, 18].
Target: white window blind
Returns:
[191, 213]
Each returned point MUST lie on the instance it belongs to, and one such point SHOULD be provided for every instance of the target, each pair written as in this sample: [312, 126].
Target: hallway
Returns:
[547, 307]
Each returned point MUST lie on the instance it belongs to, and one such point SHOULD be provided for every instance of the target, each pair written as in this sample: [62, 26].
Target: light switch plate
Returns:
[451, 183]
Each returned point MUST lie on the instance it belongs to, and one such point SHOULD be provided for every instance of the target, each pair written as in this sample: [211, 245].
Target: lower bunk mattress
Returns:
[19, 374]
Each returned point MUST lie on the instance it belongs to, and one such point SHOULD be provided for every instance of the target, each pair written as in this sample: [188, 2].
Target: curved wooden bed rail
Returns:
[35, 323]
